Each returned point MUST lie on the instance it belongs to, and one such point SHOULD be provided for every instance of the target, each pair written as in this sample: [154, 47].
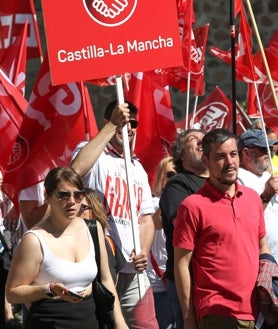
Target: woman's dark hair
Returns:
[110, 107]
[61, 174]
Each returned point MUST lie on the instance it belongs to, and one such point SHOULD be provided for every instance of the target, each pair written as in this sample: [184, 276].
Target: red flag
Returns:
[214, 112]
[237, 7]
[244, 61]
[14, 63]
[252, 107]
[186, 20]
[12, 108]
[198, 58]
[156, 129]
[13, 14]
[53, 125]
[271, 54]
[270, 113]
[264, 91]
[178, 76]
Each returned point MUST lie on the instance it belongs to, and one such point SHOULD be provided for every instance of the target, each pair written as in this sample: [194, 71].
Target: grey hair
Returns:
[178, 147]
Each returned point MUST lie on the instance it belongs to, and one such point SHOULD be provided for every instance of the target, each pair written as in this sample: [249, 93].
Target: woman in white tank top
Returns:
[56, 259]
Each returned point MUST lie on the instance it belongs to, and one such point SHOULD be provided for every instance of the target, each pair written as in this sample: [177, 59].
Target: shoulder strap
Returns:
[92, 226]
[110, 243]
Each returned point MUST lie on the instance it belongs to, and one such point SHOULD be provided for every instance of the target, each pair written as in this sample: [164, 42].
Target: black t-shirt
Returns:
[176, 190]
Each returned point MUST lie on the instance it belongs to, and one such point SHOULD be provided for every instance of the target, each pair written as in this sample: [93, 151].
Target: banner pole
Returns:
[129, 176]
[233, 58]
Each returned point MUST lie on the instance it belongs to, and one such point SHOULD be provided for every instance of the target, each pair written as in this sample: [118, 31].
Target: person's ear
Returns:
[245, 151]
[205, 160]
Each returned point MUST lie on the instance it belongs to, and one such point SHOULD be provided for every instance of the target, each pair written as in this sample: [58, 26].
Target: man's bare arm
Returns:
[183, 285]
[89, 154]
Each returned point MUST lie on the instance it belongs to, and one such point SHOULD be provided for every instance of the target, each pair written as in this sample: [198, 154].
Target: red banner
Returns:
[14, 63]
[156, 130]
[12, 108]
[56, 120]
[13, 14]
[92, 39]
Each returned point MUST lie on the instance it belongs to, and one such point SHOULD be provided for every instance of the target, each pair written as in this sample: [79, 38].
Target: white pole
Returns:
[129, 177]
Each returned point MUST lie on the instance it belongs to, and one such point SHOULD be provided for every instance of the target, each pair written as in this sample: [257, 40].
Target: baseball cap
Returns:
[254, 137]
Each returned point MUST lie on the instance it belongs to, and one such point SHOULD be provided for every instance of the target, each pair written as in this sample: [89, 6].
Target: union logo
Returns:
[110, 12]
[211, 116]
[19, 154]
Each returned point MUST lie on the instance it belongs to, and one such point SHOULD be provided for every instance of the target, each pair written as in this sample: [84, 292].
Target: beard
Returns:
[197, 163]
[227, 181]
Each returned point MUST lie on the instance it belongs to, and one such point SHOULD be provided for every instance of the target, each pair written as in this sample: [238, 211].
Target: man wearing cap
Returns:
[254, 162]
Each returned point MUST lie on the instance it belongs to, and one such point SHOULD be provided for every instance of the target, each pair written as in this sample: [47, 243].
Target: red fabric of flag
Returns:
[156, 130]
[237, 7]
[214, 112]
[12, 108]
[178, 76]
[13, 14]
[244, 60]
[53, 125]
[14, 63]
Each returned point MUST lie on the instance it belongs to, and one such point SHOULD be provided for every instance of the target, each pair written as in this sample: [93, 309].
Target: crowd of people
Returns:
[202, 228]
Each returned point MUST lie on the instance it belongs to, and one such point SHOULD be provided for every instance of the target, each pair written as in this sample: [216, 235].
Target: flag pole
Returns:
[233, 59]
[262, 53]
[134, 220]
[187, 100]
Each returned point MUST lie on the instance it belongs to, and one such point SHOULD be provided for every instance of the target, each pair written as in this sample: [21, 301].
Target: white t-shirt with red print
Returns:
[108, 178]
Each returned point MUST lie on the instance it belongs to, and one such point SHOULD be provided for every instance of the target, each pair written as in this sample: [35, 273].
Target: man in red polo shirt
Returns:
[221, 230]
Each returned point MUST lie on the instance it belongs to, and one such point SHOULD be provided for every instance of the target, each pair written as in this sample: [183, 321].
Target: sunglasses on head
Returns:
[170, 174]
[133, 123]
[65, 195]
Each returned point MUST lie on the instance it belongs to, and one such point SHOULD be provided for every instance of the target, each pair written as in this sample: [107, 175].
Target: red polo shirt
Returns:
[224, 234]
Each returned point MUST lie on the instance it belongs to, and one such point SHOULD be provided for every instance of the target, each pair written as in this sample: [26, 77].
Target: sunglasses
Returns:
[65, 195]
[170, 174]
[133, 123]
[84, 207]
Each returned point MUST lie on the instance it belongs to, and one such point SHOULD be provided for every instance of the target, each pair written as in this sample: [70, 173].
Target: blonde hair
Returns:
[160, 172]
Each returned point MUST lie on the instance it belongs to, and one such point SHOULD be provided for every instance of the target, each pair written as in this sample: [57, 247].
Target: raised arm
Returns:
[89, 154]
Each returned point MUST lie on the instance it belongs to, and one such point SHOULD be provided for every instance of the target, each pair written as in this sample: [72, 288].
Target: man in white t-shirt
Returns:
[31, 205]
[101, 163]
[254, 163]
